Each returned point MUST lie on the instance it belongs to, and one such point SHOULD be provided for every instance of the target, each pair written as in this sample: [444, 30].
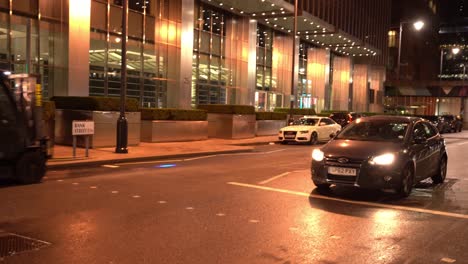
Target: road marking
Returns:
[189, 208]
[448, 260]
[389, 206]
[93, 187]
[60, 180]
[110, 166]
[136, 196]
[162, 202]
[253, 221]
[274, 178]
[146, 162]
[220, 214]
[459, 144]
[202, 157]
[335, 237]
[75, 183]
[115, 192]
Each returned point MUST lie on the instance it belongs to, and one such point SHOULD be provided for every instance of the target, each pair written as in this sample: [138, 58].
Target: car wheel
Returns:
[313, 138]
[30, 168]
[406, 184]
[442, 172]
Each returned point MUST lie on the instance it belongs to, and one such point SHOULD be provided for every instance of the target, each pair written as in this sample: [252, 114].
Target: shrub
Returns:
[94, 103]
[270, 116]
[173, 114]
[228, 109]
[48, 110]
[296, 111]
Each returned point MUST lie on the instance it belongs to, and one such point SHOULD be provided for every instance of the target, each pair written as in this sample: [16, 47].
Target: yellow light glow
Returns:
[80, 11]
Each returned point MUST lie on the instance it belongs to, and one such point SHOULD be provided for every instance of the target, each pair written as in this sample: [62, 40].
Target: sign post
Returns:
[82, 128]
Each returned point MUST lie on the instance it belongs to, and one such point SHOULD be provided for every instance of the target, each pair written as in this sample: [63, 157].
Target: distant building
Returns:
[187, 52]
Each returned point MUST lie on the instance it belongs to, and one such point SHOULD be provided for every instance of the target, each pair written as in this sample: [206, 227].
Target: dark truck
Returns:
[23, 148]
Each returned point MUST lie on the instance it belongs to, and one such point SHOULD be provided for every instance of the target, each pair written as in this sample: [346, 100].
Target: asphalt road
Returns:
[258, 207]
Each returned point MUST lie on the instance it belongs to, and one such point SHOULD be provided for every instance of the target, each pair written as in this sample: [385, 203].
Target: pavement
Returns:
[63, 155]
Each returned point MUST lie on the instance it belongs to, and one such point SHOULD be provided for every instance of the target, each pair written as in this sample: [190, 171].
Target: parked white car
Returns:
[309, 129]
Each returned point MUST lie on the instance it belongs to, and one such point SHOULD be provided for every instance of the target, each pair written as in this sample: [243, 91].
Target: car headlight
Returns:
[304, 132]
[384, 159]
[318, 155]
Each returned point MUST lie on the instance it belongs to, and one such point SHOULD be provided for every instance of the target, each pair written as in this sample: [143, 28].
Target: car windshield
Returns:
[375, 130]
[306, 122]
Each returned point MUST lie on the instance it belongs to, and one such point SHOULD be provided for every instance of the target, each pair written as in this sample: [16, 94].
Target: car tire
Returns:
[442, 171]
[313, 138]
[406, 184]
[30, 168]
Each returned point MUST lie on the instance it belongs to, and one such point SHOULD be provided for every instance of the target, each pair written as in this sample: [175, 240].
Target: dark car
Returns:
[382, 152]
[453, 123]
[344, 118]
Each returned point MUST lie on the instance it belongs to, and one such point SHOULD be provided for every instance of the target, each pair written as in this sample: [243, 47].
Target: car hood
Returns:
[296, 128]
[358, 149]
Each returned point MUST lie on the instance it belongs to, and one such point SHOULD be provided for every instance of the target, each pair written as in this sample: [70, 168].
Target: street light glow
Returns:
[455, 51]
[418, 25]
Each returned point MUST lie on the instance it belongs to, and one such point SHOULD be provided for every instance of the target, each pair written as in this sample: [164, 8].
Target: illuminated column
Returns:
[180, 61]
[249, 97]
[78, 48]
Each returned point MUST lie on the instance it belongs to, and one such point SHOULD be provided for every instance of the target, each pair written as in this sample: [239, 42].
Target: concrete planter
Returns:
[231, 126]
[172, 131]
[105, 124]
[269, 127]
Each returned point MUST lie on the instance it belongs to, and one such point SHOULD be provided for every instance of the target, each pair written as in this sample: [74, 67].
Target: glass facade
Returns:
[235, 58]
[31, 39]
[210, 75]
[152, 39]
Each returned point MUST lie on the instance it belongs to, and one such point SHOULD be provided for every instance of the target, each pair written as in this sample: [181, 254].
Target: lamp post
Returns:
[418, 25]
[122, 126]
[293, 75]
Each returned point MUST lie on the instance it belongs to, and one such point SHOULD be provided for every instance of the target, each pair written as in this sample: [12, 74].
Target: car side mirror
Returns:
[420, 140]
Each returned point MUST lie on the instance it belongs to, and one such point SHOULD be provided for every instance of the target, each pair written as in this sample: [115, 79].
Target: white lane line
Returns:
[75, 183]
[189, 208]
[115, 192]
[147, 162]
[93, 187]
[136, 196]
[448, 260]
[389, 206]
[220, 214]
[274, 178]
[463, 143]
[162, 202]
[110, 166]
[202, 157]
[253, 221]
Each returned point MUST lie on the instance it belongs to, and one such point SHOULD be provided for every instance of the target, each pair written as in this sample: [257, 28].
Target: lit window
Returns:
[391, 38]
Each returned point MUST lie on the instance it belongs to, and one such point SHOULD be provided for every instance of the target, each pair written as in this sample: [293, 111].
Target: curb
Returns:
[89, 163]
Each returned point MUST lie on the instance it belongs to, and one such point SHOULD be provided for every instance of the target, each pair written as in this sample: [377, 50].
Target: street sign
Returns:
[80, 128]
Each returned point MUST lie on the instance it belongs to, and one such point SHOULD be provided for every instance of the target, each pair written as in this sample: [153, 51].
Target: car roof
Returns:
[311, 116]
[392, 118]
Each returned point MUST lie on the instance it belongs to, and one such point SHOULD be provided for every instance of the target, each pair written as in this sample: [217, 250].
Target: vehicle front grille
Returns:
[352, 163]
[290, 133]
[341, 179]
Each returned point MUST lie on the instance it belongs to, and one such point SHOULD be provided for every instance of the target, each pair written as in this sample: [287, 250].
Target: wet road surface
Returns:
[258, 207]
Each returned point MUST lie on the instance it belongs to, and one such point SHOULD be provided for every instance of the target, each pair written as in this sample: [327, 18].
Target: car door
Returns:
[420, 151]
[434, 144]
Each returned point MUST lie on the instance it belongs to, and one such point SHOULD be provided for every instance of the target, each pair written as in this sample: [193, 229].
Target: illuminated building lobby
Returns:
[182, 53]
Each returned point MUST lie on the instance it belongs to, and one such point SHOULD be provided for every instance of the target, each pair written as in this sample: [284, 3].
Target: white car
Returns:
[309, 129]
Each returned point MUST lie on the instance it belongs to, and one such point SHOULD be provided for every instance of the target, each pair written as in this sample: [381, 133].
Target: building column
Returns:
[179, 95]
[78, 48]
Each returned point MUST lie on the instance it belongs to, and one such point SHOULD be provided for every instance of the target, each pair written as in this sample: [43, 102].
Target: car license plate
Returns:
[342, 171]
[289, 136]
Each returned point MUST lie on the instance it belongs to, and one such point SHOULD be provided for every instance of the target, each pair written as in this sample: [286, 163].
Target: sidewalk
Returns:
[63, 155]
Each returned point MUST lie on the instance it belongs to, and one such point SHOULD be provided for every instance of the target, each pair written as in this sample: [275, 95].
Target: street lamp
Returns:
[292, 99]
[418, 25]
[122, 125]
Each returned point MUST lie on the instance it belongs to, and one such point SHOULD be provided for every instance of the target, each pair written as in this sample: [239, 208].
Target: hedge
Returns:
[296, 111]
[228, 109]
[270, 116]
[94, 103]
[173, 114]
[48, 110]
